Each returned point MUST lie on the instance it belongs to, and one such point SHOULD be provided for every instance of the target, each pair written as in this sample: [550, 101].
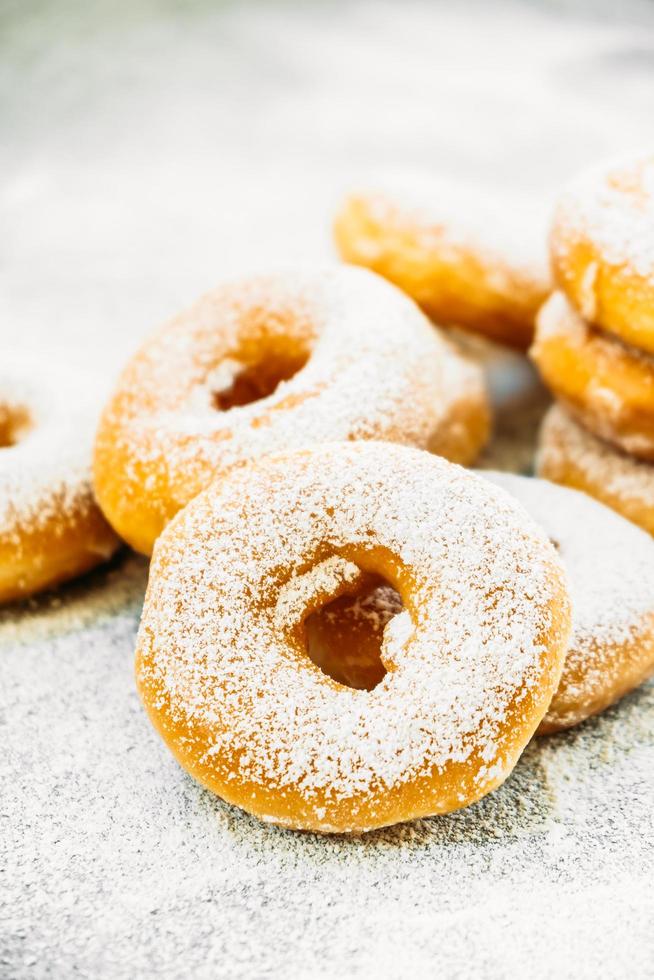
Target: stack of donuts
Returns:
[594, 343]
[343, 628]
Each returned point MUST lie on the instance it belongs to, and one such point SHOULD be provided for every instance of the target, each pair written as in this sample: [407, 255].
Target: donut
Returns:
[51, 529]
[465, 420]
[263, 365]
[602, 249]
[472, 661]
[610, 568]
[460, 254]
[571, 456]
[605, 384]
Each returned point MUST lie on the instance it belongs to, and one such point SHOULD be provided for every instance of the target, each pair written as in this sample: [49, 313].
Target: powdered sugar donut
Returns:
[608, 386]
[602, 248]
[610, 568]
[264, 365]
[472, 661]
[469, 259]
[50, 526]
[570, 455]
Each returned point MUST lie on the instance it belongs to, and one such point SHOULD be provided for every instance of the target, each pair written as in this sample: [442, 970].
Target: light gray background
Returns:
[148, 151]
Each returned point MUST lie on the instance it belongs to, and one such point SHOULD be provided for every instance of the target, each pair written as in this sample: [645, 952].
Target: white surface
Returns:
[147, 153]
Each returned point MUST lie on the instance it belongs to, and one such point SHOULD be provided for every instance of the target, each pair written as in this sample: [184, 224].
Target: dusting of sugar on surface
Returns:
[199, 889]
[114, 590]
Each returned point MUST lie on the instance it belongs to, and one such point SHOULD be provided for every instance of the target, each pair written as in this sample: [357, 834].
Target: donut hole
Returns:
[344, 636]
[15, 423]
[246, 382]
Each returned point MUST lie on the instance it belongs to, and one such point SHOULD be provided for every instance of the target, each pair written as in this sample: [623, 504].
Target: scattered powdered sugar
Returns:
[611, 206]
[112, 591]
[46, 474]
[509, 231]
[610, 567]
[95, 801]
[213, 633]
[563, 442]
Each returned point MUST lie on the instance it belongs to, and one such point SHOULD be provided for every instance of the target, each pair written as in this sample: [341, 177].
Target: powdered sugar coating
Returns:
[610, 567]
[612, 207]
[45, 464]
[478, 646]
[619, 480]
[323, 580]
[374, 371]
[45, 476]
[469, 259]
[449, 214]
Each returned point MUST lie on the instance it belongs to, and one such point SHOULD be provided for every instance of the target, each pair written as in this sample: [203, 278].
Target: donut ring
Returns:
[265, 365]
[602, 249]
[475, 275]
[607, 386]
[51, 529]
[465, 424]
[573, 457]
[472, 663]
[610, 568]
